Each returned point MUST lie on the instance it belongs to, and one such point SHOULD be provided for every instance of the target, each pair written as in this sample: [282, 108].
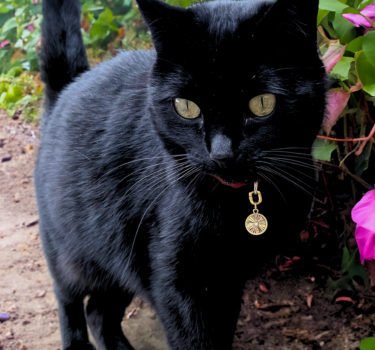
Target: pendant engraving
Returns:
[256, 224]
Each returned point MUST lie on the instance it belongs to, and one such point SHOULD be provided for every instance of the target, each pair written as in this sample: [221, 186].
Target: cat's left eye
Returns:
[186, 109]
[262, 105]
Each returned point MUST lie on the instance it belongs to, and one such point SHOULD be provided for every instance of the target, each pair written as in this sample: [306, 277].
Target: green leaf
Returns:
[322, 149]
[370, 89]
[342, 67]
[99, 29]
[328, 25]
[105, 17]
[2, 97]
[355, 45]
[356, 3]
[3, 9]
[19, 11]
[367, 344]
[321, 15]
[14, 94]
[369, 47]
[332, 5]
[348, 36]
[3, 87]
[365, 70]
[185, 3]
[14, 71]
[341, 25]
[351, 265]
[9, 24]
[364, 4]
[362, 161]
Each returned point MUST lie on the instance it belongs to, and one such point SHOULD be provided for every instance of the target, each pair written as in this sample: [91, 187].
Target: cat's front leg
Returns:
[198, 315]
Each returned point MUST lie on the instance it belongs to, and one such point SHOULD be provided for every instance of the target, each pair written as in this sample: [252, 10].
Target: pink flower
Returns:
[3, 43]
[30, 28]
[34, 1]
[333, 54]
[336, 102]
[363, 214]
[358, 20]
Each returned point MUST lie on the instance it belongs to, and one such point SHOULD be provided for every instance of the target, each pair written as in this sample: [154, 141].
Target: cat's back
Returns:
[93, 122]
[99, 93]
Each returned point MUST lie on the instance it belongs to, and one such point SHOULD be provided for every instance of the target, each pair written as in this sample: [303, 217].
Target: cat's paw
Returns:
[81, 346]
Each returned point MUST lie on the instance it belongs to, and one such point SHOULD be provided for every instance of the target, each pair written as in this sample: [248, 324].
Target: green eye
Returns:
[186, 109]
[262, 105]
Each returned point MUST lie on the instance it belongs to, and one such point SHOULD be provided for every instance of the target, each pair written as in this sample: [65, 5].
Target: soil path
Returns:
[284, 310]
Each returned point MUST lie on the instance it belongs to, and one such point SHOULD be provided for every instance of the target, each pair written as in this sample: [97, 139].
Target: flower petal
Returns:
[336, 102]
[366, 243]
[363, 213]
[357, 20]
[369, 12]
[4, 43]
[333, 55]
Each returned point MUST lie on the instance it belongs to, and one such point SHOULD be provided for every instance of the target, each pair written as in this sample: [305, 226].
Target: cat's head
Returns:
[234, 79]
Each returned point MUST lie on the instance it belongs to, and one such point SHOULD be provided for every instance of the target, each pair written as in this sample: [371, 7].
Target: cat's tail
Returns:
[63, 56]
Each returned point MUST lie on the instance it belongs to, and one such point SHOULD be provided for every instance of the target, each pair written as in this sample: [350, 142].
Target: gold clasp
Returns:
[252, 200]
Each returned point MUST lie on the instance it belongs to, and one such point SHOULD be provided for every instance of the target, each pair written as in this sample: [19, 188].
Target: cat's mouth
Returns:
[231, 184]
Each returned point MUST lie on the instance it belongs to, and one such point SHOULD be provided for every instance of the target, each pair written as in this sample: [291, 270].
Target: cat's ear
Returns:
[294, 18]
[164, 21]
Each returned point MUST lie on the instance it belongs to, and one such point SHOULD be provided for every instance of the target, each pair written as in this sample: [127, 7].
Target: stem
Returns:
[372, 132]
[347, 171]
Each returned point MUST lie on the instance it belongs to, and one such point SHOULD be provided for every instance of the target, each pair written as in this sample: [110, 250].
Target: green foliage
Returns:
[360, 46]
[20, 25]
[355, 71]
[322, 149]
[367, 344]
[20, 91]
[352, 271]
[107, 25]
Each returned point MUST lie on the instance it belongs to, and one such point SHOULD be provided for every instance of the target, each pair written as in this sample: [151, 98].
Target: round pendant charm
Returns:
[256, 224]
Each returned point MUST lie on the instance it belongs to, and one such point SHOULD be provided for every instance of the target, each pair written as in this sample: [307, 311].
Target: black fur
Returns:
[127, 199]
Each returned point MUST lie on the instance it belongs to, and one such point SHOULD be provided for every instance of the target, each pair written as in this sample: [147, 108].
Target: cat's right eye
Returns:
[262, 105]
[186, 109]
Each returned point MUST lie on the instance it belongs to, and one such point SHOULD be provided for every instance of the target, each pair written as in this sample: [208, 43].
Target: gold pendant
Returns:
[256, 224]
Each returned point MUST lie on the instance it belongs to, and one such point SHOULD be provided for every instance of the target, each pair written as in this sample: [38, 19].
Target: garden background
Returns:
[327, 258]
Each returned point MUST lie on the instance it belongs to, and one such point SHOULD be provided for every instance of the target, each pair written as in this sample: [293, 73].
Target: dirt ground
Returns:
[285, 308]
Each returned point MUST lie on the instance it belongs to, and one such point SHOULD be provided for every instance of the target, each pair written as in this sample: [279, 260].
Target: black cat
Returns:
[144, 159]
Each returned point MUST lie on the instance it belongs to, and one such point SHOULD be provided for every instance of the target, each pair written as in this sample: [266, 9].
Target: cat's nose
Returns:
[221, 150]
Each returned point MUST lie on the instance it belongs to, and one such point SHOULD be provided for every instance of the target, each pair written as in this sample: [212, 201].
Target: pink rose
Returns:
[30, 28]
[358, 20]
[363, 214]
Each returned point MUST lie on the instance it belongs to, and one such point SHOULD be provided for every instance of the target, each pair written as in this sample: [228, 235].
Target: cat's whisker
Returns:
[165, 170]
[289, 68]
[294, 161]
[150, 166]
[283, 162]
[292, 153]
[271, 182]
[285, 165]
[188, 172]
[289, 174]
[288, 155]
[139, 160]
[284, 148]
[194, 179]
[162, 180]
[286, 178]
